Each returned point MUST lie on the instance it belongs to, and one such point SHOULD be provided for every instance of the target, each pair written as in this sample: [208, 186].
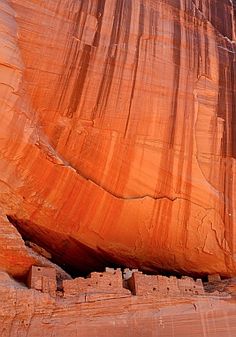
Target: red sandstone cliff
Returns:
[118, 133]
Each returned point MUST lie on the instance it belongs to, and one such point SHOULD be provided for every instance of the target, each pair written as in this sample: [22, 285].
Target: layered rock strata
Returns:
[29, 312]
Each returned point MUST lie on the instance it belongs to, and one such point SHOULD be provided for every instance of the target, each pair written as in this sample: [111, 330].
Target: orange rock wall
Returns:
[118, 131]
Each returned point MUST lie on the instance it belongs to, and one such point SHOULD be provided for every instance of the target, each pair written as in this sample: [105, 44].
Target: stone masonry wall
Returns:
[109, 282]
[141, 284]
[112, 283]
[43, 279]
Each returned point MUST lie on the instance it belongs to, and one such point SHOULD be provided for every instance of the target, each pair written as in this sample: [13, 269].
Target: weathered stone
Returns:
[162, 286]
[117, 146]
[99, 284]
[43, 279]
[28, 312]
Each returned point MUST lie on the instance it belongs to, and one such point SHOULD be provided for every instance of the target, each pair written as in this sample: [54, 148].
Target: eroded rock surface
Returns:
[118, 132]
[29, 312]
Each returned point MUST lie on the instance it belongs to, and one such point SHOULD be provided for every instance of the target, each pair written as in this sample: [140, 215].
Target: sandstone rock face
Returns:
[27, 312]
[118, 132]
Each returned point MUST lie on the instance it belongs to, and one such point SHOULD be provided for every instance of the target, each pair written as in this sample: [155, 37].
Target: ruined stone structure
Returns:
[43, 279]
[37, 314]
[110, 284]
[214, 278]
[141, 284]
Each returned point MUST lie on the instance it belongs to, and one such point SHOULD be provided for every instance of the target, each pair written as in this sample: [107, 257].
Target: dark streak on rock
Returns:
[99, 15]
[140, 32]
[122, 21]
[221, 18]
[226, 110]
[79, 80]
[226, 99]
[233, 119]
[207, 58]
[176, 61]
[75, 53]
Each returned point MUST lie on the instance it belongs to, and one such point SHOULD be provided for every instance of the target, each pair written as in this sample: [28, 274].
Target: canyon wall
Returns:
[118, 134]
